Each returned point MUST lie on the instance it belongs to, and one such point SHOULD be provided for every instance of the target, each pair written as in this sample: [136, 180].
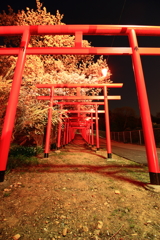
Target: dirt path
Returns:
[78, 195]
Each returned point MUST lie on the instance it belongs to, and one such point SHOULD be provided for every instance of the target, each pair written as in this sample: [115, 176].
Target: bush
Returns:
[20, 156]
[24, 151]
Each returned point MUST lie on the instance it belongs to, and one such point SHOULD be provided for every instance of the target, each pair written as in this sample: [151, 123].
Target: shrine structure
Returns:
[79, 31]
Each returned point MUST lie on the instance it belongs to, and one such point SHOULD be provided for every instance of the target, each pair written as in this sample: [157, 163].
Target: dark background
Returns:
[128, 12]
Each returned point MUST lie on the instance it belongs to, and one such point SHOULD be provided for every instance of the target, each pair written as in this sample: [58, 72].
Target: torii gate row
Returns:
[79, 30]
[78, 87]
[68, 133]
[86, 134]
[85, 125]
[86, 129]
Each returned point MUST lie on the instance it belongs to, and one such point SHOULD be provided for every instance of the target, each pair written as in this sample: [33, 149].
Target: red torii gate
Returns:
[79, 30]
[90, 118]
[78, 87]
[82, 121]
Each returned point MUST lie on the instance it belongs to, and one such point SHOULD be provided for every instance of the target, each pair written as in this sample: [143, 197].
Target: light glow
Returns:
[104, 72]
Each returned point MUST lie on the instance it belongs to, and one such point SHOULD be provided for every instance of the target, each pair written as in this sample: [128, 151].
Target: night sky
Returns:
[127, 12]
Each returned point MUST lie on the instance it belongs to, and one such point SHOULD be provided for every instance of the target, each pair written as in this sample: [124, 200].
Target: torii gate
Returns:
[91, 118]
[78, 87]
[79, 31]
[81, 122]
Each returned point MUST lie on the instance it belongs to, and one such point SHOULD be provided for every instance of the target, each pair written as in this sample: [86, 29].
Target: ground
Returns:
[77, 194]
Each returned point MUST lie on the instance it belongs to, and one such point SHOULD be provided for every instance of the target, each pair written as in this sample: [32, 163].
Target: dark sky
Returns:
[128, 12]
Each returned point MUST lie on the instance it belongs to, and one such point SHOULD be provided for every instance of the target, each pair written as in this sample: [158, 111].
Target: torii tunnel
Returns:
[79, 30]
[84, 125]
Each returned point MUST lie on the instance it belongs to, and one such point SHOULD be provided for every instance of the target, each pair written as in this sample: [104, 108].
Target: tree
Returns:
[123, 118]
[32, 114]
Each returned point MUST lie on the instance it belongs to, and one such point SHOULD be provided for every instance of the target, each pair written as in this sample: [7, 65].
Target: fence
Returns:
[135, 137]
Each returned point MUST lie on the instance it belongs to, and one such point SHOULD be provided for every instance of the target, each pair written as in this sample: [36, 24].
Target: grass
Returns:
[140, 174]
[6, 194]
[131, 222]
[21, 161]
[131, 169]
[120, 212]
[20, 156]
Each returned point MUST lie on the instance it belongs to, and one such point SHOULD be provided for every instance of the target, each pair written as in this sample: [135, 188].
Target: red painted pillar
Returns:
[85, 134]
[74, 131]
[108, 137]
[59, 134]
[92, 129]
[12, 105]
[64, 136]
[82, 133]
[67, 132]
[145, 112]
[88, 133]
[97, 127]
[71, 133]
[49, 124]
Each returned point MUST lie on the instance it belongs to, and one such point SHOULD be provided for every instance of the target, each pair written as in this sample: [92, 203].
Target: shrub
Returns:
[20, 156]
[24, 151]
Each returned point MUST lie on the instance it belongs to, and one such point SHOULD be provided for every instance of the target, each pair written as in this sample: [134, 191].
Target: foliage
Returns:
[123, 118]
[32, 114]
[20, 156]
[25, 151]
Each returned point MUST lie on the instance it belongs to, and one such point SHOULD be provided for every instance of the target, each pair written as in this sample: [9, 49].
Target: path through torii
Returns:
[79, 31]
[78, 96]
